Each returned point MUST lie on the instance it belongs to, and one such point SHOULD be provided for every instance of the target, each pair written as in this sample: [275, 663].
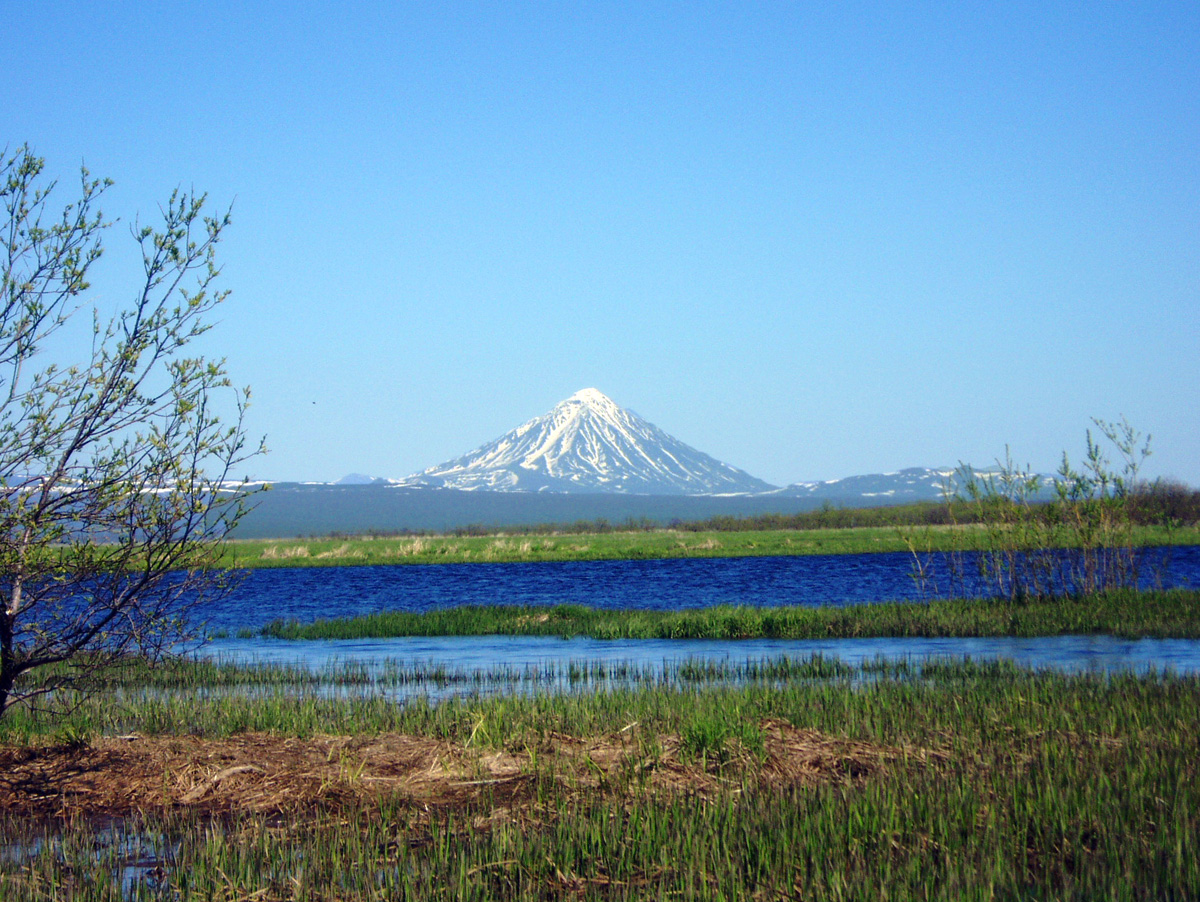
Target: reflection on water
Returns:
[137, 859]
[483, 654]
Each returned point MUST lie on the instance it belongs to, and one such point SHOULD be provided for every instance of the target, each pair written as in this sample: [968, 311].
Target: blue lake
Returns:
[306, 594]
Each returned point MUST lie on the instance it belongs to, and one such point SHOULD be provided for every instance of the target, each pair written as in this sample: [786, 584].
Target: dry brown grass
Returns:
[273, 552]
[342, 551]
[708, 544]
[265, 773]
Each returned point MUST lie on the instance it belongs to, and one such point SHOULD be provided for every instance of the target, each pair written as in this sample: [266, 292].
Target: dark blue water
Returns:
[306, 594]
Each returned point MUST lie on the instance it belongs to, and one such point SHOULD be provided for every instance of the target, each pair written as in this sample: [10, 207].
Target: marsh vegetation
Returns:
[949, 780]
[1131, 614]
[635, 544]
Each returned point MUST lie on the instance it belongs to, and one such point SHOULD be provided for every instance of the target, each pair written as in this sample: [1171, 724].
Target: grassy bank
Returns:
[1169, 614]
[631, 545]
[965, 781]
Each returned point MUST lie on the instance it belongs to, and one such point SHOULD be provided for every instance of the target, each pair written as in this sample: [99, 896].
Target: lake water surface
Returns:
[306, 594]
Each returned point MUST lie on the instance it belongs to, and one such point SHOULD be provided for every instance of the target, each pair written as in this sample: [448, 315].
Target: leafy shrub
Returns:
[1071, 534]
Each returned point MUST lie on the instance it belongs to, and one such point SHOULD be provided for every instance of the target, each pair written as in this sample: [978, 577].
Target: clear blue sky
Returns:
[812, 240]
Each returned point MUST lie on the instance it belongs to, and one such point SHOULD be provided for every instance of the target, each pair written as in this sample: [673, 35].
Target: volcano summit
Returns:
[587, 443]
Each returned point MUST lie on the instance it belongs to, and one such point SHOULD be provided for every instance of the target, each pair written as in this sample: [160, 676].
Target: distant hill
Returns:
[306, 509]
[911, 484]
[302, 509]
[360, 479]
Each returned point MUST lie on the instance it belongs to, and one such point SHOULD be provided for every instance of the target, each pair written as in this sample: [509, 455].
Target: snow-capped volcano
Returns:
[589, 444]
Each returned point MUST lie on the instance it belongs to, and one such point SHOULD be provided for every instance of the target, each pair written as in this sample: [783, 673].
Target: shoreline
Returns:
[250, 554]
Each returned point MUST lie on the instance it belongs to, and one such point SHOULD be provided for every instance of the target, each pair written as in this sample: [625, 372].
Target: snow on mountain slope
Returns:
[908, 485]
[911, 484]
[587, 443]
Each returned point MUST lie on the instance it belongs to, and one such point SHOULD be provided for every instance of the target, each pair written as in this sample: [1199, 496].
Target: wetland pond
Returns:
[141, 859]
[306, 594]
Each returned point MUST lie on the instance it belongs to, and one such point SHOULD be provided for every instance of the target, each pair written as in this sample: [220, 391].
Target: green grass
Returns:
[1047, 786]
[631, 545]
[213, 698]
[816, 692]
[1168, 614]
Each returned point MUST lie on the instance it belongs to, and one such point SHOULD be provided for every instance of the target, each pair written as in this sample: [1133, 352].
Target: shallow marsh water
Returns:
[465, 657]
[305, 594]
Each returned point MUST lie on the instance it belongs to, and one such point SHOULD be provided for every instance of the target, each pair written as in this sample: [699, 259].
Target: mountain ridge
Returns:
[588, 443]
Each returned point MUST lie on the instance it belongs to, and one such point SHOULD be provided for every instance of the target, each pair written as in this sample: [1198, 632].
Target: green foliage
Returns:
[73, 736]
[115, 462]
[1083, 539]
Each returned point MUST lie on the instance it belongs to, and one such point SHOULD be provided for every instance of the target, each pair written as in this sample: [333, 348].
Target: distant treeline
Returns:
[828, 517]
[1159, 503]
